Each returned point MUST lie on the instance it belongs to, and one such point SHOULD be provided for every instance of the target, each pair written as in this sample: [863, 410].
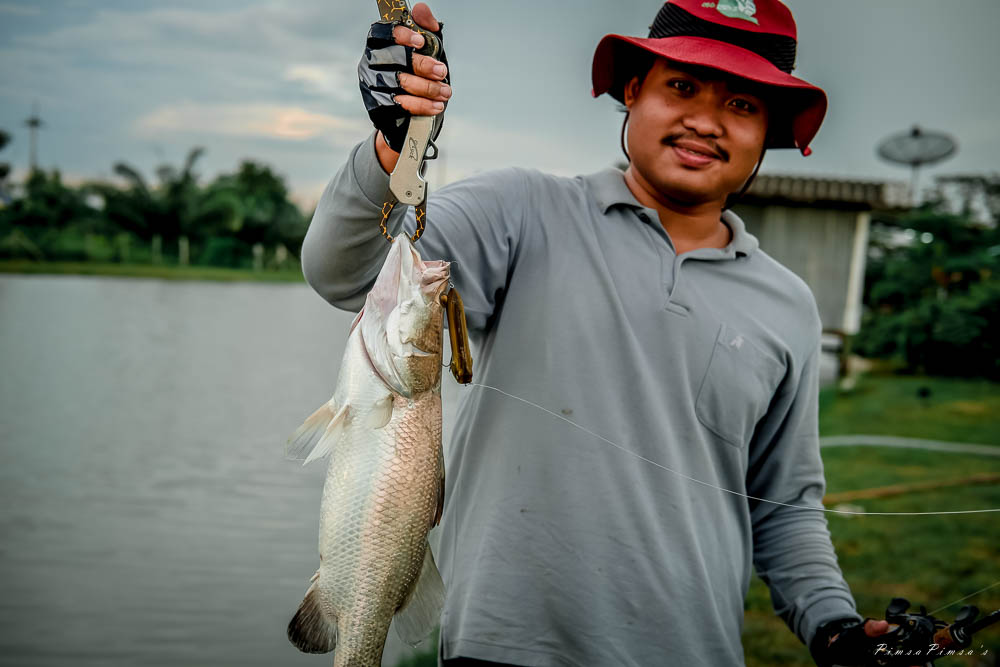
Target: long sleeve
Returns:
[793, 553]
[476, 224]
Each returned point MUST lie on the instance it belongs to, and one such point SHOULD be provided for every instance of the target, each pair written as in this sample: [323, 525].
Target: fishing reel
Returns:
[918, 638]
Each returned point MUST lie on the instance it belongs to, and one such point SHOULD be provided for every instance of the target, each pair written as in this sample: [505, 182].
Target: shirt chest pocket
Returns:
[737, 388]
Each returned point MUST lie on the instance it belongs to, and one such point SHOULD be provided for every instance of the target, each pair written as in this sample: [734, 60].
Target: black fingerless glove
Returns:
[851, 648]
[378, 74]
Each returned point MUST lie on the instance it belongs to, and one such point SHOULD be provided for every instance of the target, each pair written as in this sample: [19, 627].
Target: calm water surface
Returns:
[147, 513]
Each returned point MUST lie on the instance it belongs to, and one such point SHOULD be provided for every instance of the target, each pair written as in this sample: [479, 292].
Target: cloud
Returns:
[336, 79]
[19, 10]
[469, 145]
[270, 121]
[208, 54]
[256, 31]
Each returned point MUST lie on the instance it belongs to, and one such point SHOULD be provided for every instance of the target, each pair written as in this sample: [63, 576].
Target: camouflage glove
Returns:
[378, 74]
[843, 643]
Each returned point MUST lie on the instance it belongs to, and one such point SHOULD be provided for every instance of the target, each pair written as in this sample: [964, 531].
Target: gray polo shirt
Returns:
[555, 547]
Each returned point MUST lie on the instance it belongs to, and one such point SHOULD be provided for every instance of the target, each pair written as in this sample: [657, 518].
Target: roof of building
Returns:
[828, 192]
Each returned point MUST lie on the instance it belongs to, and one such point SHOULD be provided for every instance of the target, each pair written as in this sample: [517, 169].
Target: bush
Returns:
[934, 303]
[63, 246]
[227, 252]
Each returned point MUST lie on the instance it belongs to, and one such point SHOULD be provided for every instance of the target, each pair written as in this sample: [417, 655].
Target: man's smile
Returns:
[697, 151]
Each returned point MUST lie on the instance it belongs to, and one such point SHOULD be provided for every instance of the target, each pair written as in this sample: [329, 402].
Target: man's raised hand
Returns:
[396, 82]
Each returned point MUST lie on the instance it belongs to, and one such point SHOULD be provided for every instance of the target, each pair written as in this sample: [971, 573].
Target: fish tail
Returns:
[311, 630]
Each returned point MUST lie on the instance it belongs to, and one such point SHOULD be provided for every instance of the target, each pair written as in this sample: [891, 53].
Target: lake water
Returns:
[147, 513]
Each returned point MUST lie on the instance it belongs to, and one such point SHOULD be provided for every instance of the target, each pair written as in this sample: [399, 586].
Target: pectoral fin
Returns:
[381, 413]
[318, 433]
[421, 611]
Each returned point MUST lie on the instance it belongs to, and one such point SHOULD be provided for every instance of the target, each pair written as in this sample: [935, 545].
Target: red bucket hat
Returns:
[750, 39]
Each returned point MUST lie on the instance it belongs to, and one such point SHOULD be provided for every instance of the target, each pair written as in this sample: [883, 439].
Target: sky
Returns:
[145, 81]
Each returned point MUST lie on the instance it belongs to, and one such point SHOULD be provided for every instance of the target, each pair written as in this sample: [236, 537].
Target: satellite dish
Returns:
[915, 149]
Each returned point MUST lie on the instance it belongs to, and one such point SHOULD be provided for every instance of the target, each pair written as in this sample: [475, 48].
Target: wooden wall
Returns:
[824, 247]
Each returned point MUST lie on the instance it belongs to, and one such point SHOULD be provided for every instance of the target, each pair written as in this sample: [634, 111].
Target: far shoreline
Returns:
[160, 271]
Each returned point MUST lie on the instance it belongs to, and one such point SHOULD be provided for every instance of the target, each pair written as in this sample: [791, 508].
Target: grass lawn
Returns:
[163, 271]
[930, 560]
[884, 404]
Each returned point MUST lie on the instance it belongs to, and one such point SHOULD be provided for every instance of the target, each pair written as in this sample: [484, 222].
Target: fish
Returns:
[384, 487]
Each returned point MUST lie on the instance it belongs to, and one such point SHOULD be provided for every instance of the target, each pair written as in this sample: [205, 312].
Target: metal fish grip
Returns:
[421, 214]
[406, 183]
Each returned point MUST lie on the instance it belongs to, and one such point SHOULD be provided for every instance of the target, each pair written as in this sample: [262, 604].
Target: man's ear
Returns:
[631, 91]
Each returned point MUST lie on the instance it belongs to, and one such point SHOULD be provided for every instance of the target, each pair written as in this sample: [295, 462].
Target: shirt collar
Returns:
[743, 241]
[609, 188]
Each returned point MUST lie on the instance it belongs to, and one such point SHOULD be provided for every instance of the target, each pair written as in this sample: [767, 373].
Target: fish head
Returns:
[403, 320]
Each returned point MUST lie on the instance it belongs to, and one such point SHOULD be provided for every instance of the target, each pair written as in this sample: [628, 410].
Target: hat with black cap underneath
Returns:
[754, 40]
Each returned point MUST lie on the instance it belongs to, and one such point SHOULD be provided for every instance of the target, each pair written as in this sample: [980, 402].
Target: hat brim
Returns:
[806, 104]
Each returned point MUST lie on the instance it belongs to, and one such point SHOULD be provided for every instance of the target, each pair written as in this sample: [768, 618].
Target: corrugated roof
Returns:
[833, 192]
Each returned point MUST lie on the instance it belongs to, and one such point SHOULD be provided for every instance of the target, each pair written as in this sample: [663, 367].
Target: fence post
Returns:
[258, 256]
[157, 249]
[280, 255]
[183, 251]
[123, 241]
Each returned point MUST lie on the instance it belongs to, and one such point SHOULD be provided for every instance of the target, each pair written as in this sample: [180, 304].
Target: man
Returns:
[638, 304]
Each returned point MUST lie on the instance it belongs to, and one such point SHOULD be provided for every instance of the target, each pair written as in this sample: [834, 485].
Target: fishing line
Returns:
[966, 597]
[713, 486]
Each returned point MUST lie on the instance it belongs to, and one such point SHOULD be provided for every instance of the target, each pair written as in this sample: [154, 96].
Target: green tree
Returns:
[47, 203]
[933, 294]
[248, 207]
[221, 221]
[171, 210]
[4, 168]
[264, 213]
[50, 220]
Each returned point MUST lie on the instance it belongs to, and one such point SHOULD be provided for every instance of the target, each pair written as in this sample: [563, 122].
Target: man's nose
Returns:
[704, 115]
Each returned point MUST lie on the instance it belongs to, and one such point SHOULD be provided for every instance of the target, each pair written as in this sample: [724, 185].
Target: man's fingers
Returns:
[424, 18]
[408, 37]
[876, 628]
[427, 92]
[428, 67]
[432, 90]
[420, 106]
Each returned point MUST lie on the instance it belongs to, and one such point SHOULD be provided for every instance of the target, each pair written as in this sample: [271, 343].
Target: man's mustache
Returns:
[671, 139]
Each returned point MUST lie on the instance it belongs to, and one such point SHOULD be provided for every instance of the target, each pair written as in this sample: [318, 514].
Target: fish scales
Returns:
[378, 503]
[384, 484]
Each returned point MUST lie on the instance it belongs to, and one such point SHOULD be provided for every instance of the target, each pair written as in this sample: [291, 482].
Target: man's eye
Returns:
[744, 105]
[681, 85]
